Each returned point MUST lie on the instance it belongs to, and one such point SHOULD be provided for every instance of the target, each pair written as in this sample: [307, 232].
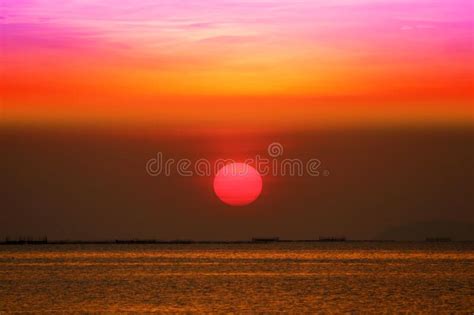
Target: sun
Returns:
[238, 184]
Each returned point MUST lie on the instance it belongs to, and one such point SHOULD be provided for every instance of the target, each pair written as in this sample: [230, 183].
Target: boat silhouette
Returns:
[265, 239]
[332, 239]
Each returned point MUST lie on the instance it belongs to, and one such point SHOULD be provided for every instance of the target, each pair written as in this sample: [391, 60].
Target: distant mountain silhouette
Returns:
[419, 231]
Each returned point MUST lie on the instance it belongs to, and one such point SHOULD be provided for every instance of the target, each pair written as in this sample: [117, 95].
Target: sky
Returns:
[380, 92]
[391, 183]
[273, 63]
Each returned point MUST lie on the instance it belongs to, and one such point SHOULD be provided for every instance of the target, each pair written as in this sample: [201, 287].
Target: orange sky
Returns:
[264, 63]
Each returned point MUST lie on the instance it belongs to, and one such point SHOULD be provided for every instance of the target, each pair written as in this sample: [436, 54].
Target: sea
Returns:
[316, 277]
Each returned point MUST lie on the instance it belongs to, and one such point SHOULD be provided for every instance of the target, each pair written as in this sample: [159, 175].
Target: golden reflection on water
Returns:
[294, 277]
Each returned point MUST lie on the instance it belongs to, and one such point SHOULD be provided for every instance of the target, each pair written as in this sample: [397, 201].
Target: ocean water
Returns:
[293, 277]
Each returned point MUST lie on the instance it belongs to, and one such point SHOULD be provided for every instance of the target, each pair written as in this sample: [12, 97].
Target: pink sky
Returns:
[65, 55]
